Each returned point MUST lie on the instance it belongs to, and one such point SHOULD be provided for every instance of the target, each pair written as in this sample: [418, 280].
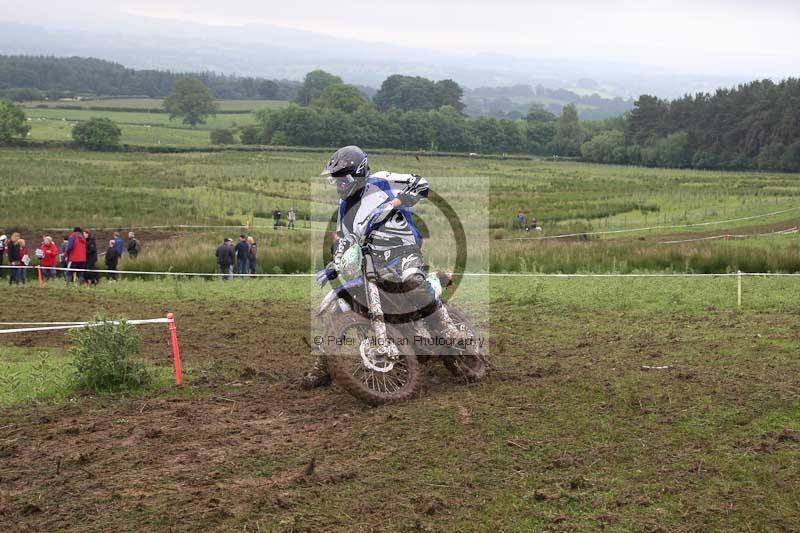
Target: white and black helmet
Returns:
[348, 169]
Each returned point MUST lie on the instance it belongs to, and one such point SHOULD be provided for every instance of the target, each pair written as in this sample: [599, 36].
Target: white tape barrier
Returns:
[634, 275]
[633, 230]
[479, 274]
[151, 273]
[76, 325]
[41, 323]
[190, 226]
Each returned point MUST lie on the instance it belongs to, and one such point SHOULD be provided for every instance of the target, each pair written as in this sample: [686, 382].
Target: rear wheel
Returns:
[389, 381]
[467, 363]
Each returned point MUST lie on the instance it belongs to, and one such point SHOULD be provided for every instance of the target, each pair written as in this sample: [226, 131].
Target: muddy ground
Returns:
[571, 432]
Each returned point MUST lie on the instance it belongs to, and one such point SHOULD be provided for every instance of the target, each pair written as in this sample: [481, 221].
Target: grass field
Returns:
[49, 121]
[61, 130]
[49, 189]
[138, 118]
[646, 404]
[629, 404]
[156, 104]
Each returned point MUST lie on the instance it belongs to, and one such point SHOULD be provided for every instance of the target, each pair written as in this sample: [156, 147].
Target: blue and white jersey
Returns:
[382, 187]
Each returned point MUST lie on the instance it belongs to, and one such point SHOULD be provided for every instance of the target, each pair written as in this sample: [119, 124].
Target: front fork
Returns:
[383, 344]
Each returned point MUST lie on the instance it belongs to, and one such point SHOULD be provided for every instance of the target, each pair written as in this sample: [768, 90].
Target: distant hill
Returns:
[515, 101]
[264, 51]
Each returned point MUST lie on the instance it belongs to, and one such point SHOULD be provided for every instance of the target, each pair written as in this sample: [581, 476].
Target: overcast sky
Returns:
[731, 36]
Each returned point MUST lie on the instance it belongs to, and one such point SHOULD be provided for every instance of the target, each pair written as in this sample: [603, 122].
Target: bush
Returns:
[251, 135]
[279, 138]
[670, 151]
[103, 357]
[12, 122]
[606, 147]
[97, 134]
[222, 136]
[791, 158]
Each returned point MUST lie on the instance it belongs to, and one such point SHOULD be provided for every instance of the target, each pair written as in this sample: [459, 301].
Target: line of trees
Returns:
[754, 125]
[409, 113]
[26, 78]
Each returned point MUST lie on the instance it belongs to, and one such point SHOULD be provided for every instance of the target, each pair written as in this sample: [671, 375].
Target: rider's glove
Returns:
[329, 273]
[378, 216]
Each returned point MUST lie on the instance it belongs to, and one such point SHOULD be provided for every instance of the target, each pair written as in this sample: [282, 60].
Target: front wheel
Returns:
[468, 363]
[391, 381]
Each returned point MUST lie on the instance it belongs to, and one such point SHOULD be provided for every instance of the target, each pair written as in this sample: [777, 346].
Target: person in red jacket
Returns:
[48, 256]
[76, 255]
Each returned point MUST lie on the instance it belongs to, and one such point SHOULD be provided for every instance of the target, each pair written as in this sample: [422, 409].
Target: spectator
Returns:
[3, 240]
[224, 255]
[62, 256]
[119, 244]
[39, 252]
[91, 259]
[14, 251]
[76, 255]
[133, 245]
[291, 216]
[276, 218]
[242, 256]
[22, 272]
[112, 257]
[253, 254]
[49, 257]
[521, 219]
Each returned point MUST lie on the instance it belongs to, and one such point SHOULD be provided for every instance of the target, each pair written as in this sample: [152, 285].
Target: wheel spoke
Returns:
[394, 382]
[390, 386]
[391, 382]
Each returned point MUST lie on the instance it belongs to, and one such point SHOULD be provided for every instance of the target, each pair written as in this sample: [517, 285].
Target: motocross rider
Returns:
[374, 211]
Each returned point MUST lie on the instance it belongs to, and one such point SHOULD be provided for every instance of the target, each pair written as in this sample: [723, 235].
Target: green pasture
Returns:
[61, 188]
[138, 126]
[154, 103]
[139, 118]
[611, 197]
[143, 135]
[619, 403]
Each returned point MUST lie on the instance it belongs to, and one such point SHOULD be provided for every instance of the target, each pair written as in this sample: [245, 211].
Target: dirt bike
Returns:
[374, 352]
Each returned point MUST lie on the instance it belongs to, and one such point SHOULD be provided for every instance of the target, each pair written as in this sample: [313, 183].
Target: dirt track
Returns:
[63, 467]
[570, 430]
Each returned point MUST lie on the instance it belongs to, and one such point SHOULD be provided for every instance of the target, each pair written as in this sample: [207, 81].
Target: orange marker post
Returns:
[176, 353]
[39, 271]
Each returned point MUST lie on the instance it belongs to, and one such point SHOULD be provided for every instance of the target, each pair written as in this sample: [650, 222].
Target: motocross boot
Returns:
[318, 376]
